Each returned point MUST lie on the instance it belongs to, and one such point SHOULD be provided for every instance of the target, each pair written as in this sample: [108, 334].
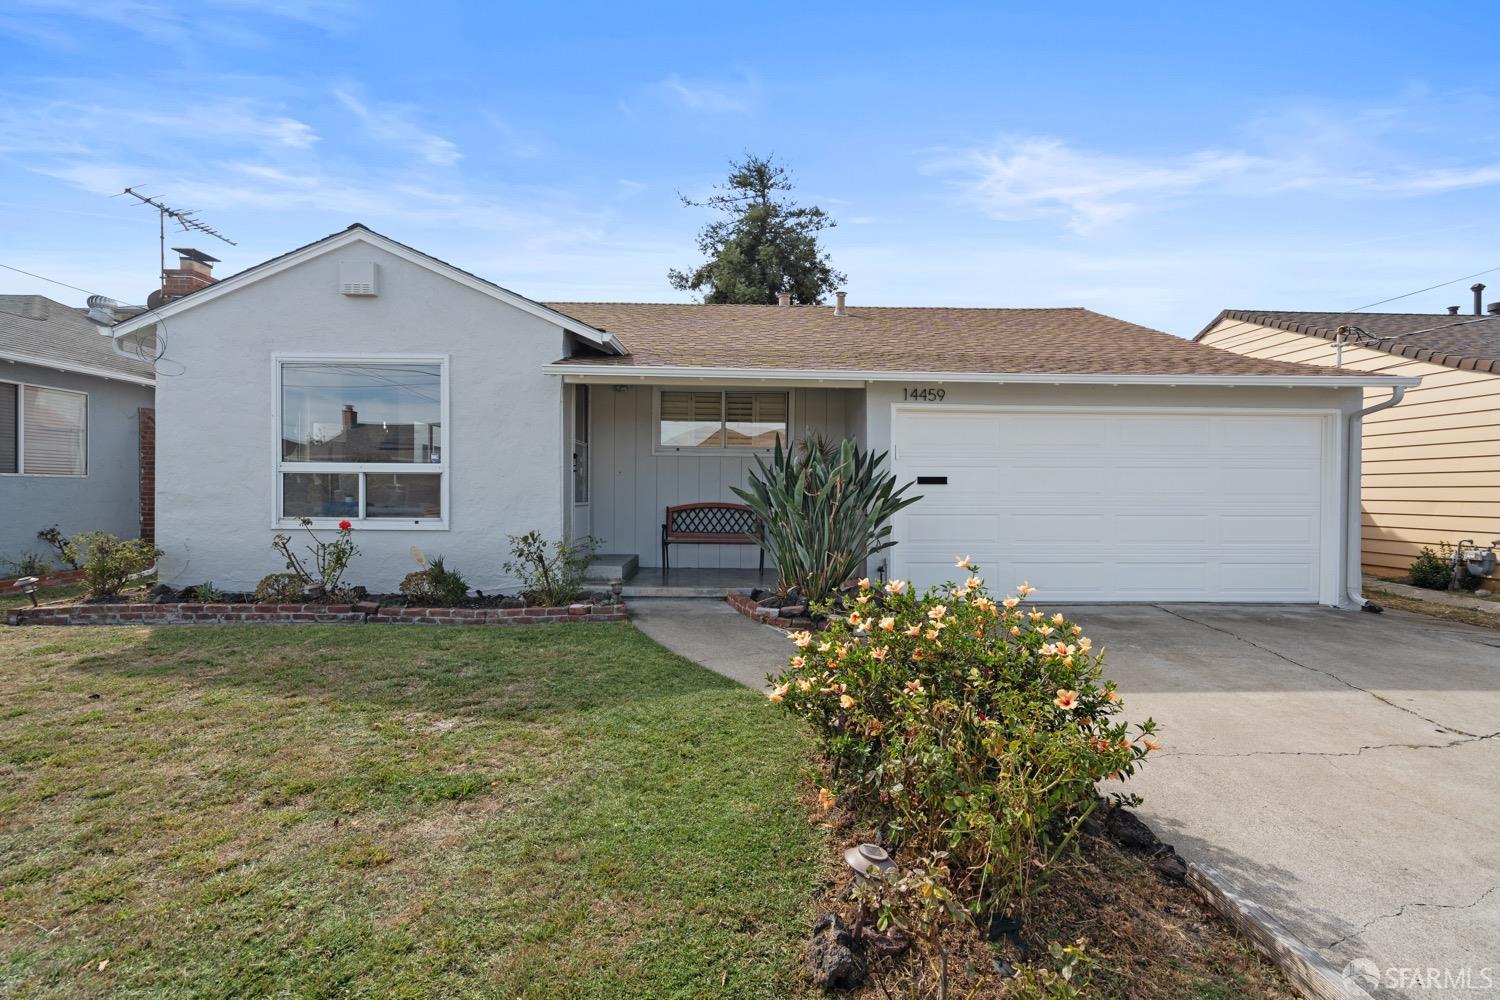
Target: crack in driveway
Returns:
[1336, 753]
[1443, 727]
[1412, 906]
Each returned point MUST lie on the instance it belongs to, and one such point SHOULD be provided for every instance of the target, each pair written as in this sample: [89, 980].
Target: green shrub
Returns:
[109, 562]
[28, 564]
[436, 586]
[207, 593]
[823, 511]
[280, 588]
[1431, 570]
[551, 574]
[964, 725]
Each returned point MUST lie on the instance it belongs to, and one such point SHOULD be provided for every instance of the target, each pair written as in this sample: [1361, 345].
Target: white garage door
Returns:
[1116, 506]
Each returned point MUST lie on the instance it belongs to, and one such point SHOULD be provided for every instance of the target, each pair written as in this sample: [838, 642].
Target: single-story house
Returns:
[75, 428]
[1431, 465]
[1096, 458]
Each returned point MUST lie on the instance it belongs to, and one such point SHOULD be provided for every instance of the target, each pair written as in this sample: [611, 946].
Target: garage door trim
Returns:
[1331, 522]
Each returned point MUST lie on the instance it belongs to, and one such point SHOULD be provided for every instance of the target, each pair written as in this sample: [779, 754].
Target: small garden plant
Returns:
[551, 574]
[970, 729]
[109, 562]
[26, 564]
[824, 509]
[319, 576]
[54, 537]
[436, 586]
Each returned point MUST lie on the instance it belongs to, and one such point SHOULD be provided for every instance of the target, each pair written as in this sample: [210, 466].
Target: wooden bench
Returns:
[709, 524]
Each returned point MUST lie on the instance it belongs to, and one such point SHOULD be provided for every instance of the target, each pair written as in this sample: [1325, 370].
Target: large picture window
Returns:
[362, 440]
[43, 431]
[727, 420]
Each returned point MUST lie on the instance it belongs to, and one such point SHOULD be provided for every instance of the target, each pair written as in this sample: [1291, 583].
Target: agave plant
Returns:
[823, 511]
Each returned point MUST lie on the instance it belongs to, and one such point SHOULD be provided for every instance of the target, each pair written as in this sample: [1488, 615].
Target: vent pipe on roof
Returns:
[1493, 308]
[838, 308]
[1453, 310]
[1478, 290]
[783, 298]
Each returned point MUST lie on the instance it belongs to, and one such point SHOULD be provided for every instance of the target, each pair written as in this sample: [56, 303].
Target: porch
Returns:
[640, 448]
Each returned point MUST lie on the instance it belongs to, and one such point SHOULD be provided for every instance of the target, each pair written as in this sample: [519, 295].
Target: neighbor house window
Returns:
[43, 431]
[362, 440]
[728, 420]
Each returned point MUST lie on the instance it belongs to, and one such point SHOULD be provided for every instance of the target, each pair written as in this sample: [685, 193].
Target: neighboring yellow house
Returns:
[1431, 465]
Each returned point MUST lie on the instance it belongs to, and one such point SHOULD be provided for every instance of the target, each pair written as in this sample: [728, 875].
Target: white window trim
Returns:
[657, 448]
[21, 388]
[278, 467]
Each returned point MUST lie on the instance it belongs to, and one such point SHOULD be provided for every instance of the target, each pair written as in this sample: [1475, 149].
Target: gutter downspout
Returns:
[1353, 528]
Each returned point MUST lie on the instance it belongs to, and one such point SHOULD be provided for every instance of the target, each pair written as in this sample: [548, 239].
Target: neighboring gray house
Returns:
[356, 378]
[70, 427]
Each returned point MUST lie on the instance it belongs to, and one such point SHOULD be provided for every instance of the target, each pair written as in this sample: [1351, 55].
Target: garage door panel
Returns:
[1119, 506]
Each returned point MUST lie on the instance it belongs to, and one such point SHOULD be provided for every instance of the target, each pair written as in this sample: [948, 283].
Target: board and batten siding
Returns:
[632, 486]
[1431, 466]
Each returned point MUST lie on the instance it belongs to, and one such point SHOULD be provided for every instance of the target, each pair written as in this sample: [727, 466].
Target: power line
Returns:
[1429, 288]
[53, 281]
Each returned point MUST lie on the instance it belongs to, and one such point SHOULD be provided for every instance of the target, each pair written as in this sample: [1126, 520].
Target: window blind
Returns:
[8, 426]
[56, 438]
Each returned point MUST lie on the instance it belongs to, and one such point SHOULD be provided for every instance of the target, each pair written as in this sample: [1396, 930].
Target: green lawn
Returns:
[393, 811]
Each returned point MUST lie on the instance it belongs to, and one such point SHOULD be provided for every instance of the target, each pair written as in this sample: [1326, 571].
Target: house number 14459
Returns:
[925, 394]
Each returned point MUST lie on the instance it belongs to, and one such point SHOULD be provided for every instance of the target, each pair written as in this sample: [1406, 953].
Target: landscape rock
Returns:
[1170, 866]
[833, 959]
[1128, 830]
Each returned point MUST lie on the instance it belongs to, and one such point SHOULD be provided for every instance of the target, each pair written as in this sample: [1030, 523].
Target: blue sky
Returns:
[1156, 162]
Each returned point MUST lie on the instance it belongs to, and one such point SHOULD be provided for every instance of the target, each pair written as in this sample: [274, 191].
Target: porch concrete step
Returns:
[607, 566]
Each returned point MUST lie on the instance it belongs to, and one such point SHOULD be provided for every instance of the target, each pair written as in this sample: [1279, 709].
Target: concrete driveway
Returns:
[1342, 768]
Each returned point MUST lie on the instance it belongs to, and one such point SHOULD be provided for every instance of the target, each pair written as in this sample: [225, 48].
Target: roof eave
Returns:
[853, 377]
[357, 234]
[76, 369]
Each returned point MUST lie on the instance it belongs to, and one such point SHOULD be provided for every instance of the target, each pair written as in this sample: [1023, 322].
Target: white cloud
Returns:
[392, 124]
[712, 98]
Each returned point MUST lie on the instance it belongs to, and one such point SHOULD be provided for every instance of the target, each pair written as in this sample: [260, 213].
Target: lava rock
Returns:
[833, 957]
[891, 942]
[1170, 866]
[1128, 830]
[512, 602]
[794, 611]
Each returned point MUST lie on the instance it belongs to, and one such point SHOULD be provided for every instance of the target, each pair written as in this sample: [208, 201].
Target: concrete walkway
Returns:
[714, 635]
[1340, 767]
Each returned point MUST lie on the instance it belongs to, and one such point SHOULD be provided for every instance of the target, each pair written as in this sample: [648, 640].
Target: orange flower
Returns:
[845, 701]
[962, 562]
[878, 653]
[1010, 602]
[1015, 630]
[864, 583]
[1066, 700]
[914, 631]
[937, 613]
[1150, 744]
[855, 618]
[1058, 619]
[895, 586]
[1113, 696]
[1026, 590]
[825, 799]
[800, 639]
[798, 662]
[888, 623]
[779, 692]
[917, 656]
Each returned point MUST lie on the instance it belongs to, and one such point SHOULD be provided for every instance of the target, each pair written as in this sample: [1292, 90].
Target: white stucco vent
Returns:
[357, 277]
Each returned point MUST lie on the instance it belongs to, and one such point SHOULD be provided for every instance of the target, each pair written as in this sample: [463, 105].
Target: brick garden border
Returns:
[341, 614]
[745, 605]
[46, 579]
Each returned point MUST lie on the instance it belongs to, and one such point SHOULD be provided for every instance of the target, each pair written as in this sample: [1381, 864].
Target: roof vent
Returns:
[1478, 289]
[1493, 308]
[783, 298]
[357, 277]
[1453, 310]
[838, 307]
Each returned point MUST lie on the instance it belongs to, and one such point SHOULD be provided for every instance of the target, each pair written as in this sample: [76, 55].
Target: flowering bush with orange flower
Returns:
[966, 724]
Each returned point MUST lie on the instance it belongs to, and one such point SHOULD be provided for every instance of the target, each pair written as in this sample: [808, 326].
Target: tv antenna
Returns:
[186, 218]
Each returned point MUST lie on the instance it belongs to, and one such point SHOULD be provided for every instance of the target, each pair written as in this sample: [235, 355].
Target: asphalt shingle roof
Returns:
[58, 336]
[1029, 341]
[1468, 342]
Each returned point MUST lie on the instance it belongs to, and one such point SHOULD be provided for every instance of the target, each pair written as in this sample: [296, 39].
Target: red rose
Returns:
[345, 525]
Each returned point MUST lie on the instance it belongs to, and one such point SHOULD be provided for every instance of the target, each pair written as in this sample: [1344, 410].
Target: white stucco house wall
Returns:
[357, 378]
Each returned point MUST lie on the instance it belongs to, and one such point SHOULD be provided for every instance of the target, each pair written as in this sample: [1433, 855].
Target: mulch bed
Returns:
[1152, 936]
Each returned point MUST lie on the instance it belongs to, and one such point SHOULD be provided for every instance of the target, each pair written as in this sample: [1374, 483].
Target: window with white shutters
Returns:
[732, 420]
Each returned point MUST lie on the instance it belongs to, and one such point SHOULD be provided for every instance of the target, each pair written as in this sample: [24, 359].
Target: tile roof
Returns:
[1012, 341]
[37, 328]
[1469, 342]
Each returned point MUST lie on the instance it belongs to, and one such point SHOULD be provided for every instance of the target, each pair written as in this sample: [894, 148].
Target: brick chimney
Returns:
[194, 270]
[351, 417]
